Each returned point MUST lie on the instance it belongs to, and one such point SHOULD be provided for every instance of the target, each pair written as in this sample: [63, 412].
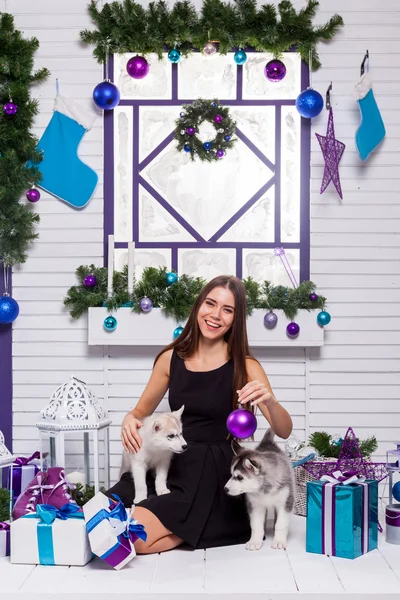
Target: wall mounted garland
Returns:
[129, 27]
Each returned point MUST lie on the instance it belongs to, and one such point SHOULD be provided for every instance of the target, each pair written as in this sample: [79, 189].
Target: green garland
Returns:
[17, 145]
[193, 115]
[177, 300]
[129, 27]
[4, 504]
[327, 446]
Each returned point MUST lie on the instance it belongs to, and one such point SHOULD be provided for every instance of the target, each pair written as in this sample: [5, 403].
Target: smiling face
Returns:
[216, 313]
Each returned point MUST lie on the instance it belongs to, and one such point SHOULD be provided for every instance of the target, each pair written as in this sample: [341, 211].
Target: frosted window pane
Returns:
[263, 265]
[290, 175]
[156, 84]
[144, 257]
[123, 144]
[257, 87]
[207, 263]
[201, 76]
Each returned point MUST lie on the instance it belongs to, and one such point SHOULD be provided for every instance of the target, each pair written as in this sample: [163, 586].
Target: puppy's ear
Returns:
[157, 426]
[251, 465]
[180, 411]
[236, 447]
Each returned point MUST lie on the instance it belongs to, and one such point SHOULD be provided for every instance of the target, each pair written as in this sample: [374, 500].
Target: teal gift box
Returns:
[342, 520]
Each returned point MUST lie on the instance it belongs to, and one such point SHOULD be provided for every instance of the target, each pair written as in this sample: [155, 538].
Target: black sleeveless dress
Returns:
[197, 509]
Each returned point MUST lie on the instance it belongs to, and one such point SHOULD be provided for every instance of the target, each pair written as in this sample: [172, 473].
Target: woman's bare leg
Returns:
[159, 538]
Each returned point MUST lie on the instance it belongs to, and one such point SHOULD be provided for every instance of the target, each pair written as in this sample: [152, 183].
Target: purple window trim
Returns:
[6, 373]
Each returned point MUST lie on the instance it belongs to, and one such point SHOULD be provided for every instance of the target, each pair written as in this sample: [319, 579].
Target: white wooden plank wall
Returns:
[355, 248]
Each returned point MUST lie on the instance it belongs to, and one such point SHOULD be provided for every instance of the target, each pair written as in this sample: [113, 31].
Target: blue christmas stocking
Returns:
[64, 175]
[371, 130]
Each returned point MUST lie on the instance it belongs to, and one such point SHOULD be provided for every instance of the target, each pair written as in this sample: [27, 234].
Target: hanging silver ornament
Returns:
[182, 132]
[209, 48]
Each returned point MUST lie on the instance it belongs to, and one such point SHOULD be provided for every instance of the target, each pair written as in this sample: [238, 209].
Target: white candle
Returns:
[110, 265]
[131, 266]
[76, 477]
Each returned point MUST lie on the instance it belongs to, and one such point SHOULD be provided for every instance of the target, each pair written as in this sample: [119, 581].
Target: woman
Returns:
[209, 369]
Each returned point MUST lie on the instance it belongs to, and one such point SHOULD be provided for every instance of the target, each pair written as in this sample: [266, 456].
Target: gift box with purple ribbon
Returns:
[4, 539]
[24, 470]
[112, 532]
[342, 515]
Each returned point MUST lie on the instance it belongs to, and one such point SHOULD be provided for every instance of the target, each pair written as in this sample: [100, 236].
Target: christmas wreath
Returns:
[187, 129]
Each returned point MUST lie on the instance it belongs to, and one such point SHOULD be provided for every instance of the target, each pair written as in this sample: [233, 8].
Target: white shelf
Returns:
[154, 329]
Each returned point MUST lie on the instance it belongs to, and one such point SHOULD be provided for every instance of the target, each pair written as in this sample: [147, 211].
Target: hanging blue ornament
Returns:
[171, 278]
[106, 95]
[240, 57]
[110, 323]
[227, 138]
[207, 145]
[323, 318]
[214, 104]
[186, 148]
[396, 491]
[177, 332]
[309, 103]
[174, 55]
[9, 309]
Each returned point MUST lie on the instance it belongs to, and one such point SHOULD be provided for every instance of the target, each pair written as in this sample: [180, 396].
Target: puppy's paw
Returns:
[163, 492]
[279, 543]
[253, 545]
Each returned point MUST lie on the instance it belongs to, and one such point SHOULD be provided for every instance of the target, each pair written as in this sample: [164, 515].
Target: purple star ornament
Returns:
[332, 151]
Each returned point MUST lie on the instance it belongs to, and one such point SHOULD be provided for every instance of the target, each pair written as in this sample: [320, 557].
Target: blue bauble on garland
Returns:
[110, 323]
[171, 278]
[9, 309]
[174, 55]
[106, 95]
[323, 318]
[207, 145]
[309, 103]
[186, 148]
[240, 57]
[177, 332]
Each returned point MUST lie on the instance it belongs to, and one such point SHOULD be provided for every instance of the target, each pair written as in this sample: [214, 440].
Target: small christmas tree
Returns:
[18, 155]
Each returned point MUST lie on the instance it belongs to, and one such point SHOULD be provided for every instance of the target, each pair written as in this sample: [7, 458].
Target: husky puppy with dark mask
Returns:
[265, 476]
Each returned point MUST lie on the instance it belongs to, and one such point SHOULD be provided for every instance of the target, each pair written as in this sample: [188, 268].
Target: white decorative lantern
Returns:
[73, 407]
[6, 460]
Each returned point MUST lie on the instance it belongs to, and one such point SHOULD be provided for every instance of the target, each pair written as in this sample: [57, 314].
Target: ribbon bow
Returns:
[344, 478]
[48, 513]
[134, 531]
[21, 460]
[4, 526]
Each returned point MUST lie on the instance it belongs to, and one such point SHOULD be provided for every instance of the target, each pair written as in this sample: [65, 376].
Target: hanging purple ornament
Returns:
[313, 297]
[10, 108]
[90, 281]
[33, 195]
[293, 329]
[137, 67]
[190, 131]
[270, 320]
[241, 423]
[220, 153]
[332, 151]
[275, 70]
[218, 118]
[146, 304]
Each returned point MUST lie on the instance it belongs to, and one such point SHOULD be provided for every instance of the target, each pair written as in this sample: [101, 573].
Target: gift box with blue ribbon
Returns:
[4, 539]
[24, 470]
[342, 515]
[51, 536]
[112, 531]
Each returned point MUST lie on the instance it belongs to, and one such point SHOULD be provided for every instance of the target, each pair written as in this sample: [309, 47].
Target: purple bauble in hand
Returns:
[241, 423]
[220, 153]
[90, 281]
[146, 304]
[218, 118]
[190, 131]
[10, 108]
[137, 67]
[33, 195]
[270, 320]
[275, 70]
[313, 297]
[293, 329]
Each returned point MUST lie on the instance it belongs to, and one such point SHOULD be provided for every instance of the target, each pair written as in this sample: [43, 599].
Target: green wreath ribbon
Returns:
[187, 129]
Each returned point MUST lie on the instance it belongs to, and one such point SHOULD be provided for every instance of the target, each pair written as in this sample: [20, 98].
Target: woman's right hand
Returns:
[131, 439]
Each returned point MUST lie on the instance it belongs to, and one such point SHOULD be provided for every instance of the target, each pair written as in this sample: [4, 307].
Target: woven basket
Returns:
[301, 476]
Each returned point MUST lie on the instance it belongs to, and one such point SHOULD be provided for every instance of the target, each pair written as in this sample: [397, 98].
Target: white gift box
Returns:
[65, 542]
[4, 542]
[106, 523]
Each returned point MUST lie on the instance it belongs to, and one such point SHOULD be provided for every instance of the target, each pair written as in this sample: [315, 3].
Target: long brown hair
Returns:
[187, 343]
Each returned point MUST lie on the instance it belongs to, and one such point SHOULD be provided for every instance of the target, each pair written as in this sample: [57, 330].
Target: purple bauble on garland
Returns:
[313, 297]
[241, 423]
[293, 329]
[137, 67]
[275, 70]
[190, 131]
[90, 281]
[146, 304]
[218, 118]
[270, 320]
[33, 195]
[10, 108]
[220, 153]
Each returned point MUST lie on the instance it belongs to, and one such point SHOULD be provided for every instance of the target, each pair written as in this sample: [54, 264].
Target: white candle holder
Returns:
[73, 407]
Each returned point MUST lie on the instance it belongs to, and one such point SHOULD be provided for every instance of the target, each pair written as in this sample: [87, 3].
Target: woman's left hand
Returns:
[256, 392]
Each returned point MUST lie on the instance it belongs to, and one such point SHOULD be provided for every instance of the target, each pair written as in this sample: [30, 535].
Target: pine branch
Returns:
[4, 504]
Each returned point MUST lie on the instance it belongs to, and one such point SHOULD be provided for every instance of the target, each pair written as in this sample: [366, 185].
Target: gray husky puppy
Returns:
[265, 475]
[161, 437]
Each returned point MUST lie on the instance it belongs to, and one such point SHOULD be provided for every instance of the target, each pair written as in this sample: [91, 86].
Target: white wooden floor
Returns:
[215, 573]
